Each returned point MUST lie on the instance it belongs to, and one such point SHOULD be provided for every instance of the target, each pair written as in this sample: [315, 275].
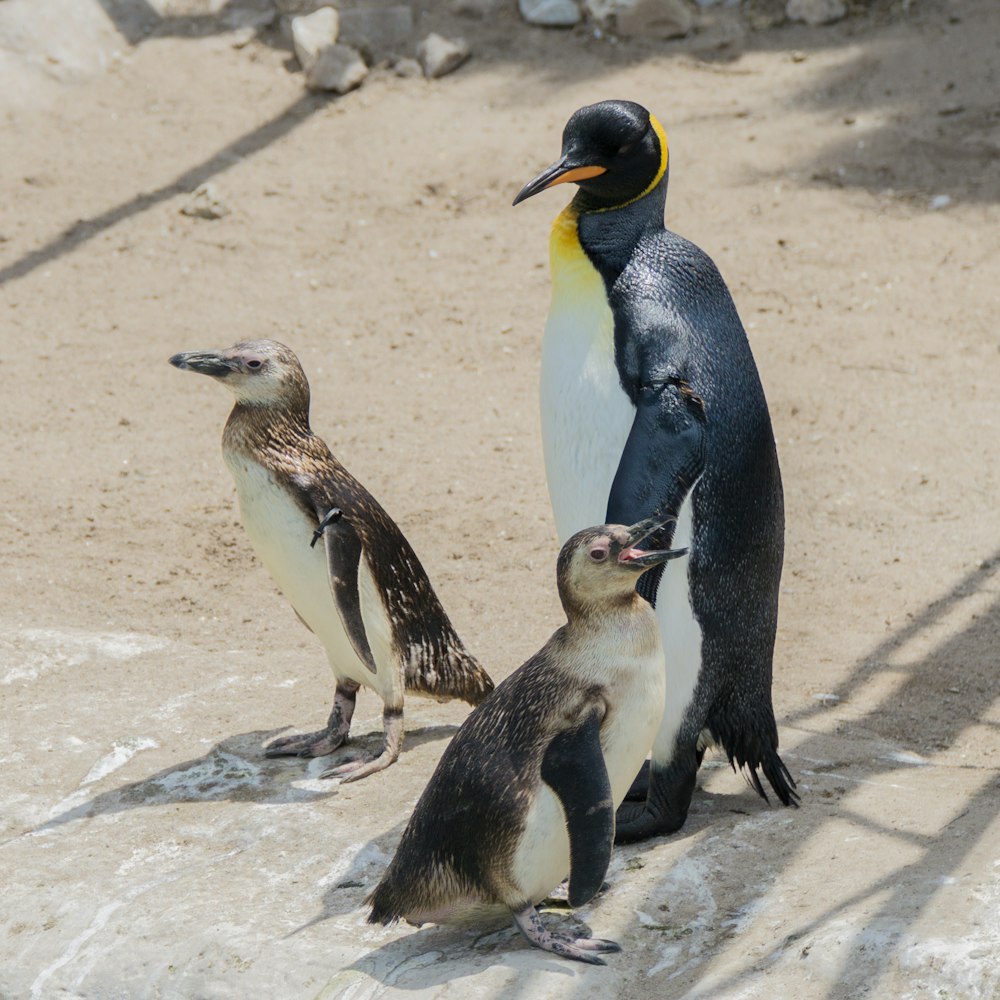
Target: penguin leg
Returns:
[667, 799]
[323, 741]
[361, 767]
[529, 923]
[639, 789]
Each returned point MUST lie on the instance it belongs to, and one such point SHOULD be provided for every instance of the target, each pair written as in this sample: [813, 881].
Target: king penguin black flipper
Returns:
[363, 592]
[652, 406]
[526, 791]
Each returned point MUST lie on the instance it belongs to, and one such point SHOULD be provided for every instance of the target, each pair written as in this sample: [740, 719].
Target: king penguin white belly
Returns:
[280, 534]
[637, 693]
[586, 418]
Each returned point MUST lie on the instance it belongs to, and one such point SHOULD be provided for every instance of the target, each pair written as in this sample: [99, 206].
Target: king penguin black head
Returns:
[257, 372]
[616, 151]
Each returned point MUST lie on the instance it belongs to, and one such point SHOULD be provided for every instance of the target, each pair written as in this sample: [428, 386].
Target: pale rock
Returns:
[439, 56]
[407, 68]
[815, 11]
[205, 203]
[550, 13]
[312, 33]
[377, 31]
[646, 18]
[338, 68]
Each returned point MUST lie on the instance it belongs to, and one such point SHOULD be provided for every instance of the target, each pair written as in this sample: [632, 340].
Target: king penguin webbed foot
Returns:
[636, 821]
[639, 789]
[365, 764]
[583, 949]
[323, 741]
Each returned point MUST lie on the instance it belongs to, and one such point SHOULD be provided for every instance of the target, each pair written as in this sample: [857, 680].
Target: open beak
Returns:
[203, 362]
[641, 559]
[561, 172]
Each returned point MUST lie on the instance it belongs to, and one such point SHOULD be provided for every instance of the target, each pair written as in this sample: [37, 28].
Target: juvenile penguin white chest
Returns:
[626, 661]
[280, 534]
[586, 415]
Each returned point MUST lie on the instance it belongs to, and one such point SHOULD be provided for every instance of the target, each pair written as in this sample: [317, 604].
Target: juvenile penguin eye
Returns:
[598, 554]
[254, 363]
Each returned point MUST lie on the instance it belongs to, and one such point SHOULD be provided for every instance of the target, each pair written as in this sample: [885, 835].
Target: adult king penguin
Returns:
[526, 791]
[652, 407]
[363, 591]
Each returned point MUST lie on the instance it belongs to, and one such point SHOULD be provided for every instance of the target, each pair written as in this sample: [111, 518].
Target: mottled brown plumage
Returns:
[285, 473]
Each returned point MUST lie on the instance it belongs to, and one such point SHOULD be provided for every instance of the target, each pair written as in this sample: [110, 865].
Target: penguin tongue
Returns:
[646, 557]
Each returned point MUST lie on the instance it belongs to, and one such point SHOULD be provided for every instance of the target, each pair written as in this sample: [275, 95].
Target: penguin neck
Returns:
[609, 234]
[584, 614]
[258, 429]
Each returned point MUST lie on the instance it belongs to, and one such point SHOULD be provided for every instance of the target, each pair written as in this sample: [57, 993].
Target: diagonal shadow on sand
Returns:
[234, 770]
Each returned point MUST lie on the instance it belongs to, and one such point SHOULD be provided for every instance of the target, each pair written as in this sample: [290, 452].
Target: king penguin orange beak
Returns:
[559, 173]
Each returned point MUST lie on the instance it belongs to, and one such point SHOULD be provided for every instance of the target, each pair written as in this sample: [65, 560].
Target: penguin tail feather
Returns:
[452, 674]
[385, 910]
[777, 774]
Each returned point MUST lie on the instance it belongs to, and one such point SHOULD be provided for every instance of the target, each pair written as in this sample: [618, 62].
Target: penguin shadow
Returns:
[235, 770]
[948, 690]
[432, 956]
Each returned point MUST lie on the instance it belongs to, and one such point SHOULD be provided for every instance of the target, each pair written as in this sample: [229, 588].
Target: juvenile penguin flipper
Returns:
[574, 768]
[662, 459]
[344, 555]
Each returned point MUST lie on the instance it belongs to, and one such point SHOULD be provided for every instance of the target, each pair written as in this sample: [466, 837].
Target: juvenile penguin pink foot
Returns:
[323, 741]
[583, 949]
[365, 763]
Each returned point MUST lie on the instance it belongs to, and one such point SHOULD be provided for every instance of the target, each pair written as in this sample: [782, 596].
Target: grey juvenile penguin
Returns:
[363, 591]
[526, 791]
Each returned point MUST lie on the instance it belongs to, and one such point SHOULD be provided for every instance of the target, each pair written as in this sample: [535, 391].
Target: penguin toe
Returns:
[599, 945]
[360, 767]
[317, 744]
[634, 821]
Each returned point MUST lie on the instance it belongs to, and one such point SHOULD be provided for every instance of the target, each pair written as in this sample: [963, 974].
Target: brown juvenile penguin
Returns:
[363, 591]
[526, 791]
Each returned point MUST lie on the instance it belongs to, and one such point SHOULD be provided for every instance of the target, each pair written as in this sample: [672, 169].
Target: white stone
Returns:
[338, 68]
[439, 55]
[407, 68]
[312, 33]
[550, 13]
[205, 203]
[815, 11]
[642, 18]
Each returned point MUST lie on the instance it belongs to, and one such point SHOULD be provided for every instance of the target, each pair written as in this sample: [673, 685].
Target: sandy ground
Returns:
[148, 850]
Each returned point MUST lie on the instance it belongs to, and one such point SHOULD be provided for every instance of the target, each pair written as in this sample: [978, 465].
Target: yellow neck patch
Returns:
[660, 171]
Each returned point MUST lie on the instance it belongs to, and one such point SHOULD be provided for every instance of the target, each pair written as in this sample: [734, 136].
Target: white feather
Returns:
[280, 534]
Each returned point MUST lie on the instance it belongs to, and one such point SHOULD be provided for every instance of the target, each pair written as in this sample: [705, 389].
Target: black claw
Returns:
[334, 515]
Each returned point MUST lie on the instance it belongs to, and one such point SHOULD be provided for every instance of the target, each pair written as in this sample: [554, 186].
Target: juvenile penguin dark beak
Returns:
[562, 172]
[203, 362]
[641, 559]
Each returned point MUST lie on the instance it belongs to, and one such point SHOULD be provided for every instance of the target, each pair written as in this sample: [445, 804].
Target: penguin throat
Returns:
[257, 428]
[609, 236]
